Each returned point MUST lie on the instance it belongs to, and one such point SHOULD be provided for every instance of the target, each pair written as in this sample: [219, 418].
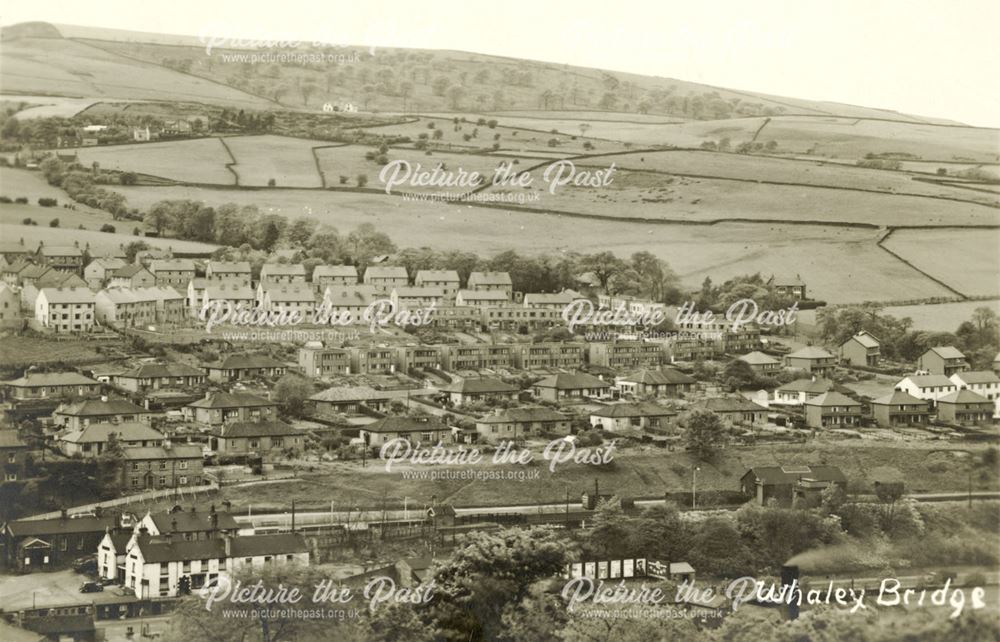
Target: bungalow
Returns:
[797, 392]
[32, 545]
[416, 297]
[565, 386]
[244, 437]
[788, 485]
[99, 271]
[166, 466]
[324, 275]
[519, 423]
[65, 310]
[386, 277]
[93, 440]
[760, 363]
[942, 360]
[481, 298]
[159, 376]
[274, 273]
[863, 349]
[492, 282]
[78, 415]
[900, 408]
[156, 565]
[51, 385]
[446, 280]
[812, 359]
[737, 410]
[480, 389]
[832, 409]
[965, 407]
[624, 416]
[349, 400]
[124, 308]
[132, 276]
[665, 382]
[175, 273]
[427, 431]
[242, 367]
[218, 408]
[927, 387]
[230, 271]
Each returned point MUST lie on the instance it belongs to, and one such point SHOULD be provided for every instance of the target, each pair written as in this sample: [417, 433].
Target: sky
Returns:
[924, 57]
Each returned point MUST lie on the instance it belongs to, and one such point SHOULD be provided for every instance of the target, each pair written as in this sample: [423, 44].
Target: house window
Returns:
[183, 465]
[182, 480]
[10, 458]
[163, 481]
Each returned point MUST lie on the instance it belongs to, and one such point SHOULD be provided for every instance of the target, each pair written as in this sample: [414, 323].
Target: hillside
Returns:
[66, 60]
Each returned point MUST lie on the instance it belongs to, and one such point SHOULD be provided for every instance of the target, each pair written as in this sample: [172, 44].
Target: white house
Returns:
[927, 387]
[65, 309]
[983, 382]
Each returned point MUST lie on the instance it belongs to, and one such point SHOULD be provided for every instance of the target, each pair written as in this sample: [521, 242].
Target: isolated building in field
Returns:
[788, 485]
[790, 286]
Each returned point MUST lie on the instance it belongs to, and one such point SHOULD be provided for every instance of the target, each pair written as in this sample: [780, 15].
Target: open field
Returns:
[783, 170]
[49, 106]
[199, 160]
[719, 251]
[651, 472]
[14, 213]
[289, 161]
[99, 242]
[69, 68]
[20, 351]
[32, 185]
[967, 260]
[941, 317]
[658, 197]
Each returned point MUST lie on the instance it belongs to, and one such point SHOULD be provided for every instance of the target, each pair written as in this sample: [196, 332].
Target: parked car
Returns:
[91, 587]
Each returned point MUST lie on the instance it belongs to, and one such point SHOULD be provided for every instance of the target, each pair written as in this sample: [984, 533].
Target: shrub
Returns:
[108, 227]
[27, 221]
[21, 200]
[362, 180]
[54, 223]
[271, 182]
[6, 199]
[47, 202]
[344, 179]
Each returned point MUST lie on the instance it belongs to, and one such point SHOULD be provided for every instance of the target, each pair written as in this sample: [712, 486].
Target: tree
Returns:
[603, 265]
[291, 392]
[738, 375]
[159, 216]
[705, 434]
[307, 89]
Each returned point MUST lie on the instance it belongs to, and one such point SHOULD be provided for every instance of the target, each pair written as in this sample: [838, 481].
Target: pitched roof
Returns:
[865, 339]
[419, 291]
[557, 298]
[282, 269]
[947, 352]
[349, 393]
[161, 370]
[191, 522]
[832, 398]
[664, 376]
[964, 396]
[128, 271]
[567, 381]
[182, 451]
[100, 408]
[490, 278]
[231, 400]
[231, 290]
[240, 267]
[59, 525]
[100, 433]
[899, 398]
[808, 385]
[246, 361]
[11, 439]
[476, 385]
[978, 377]
[771, 475]
[385, 272]
[349, 294]
[108, 262]
[56, 279]
[758, 359]
[929, 381]
[482, 295]
[450, 276]
[622, 410]
[732, 404]
[523, 415]
[171, 265]
[321, 271]
[406, 424]
[289, 292]
[810, 352]
[60, 250]
[40, 379]
[68, 295]
[257, 429]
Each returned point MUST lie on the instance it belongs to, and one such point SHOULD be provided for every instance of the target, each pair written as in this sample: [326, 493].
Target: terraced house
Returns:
[476, 357]
[274, 273]
[297, 298]
[159, 376]
[218, 408]
[65, 310]
[492, 282]
[80, 414]
[324, 275]
[51, 385]
[982, 382]
[373, 360]
[317, 361]
[348, 299]
[965, 407]
[446, 280]
[243, 367]
[66, 258]
[927, 387]
[176, 273]
[529, 356]
[626, 354]
[124, 308]
[165, 466]
[98, 272]
[132, 276]
[416, 297]
[385, 277]
[481, 298]
[513, 424]
[230, 271]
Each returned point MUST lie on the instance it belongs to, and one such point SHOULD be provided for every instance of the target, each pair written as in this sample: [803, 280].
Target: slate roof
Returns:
[489, 278]
[238, 267]
[865, 339]
[100, 408]
[810, 352]
[947, 352]
[406, 424]
[758, 359]
[830, 399]
[478, 385]
[68, 295]
[11, 439]
[171, 265]
[46, 379]
[623, 410]
[321, 271]
[246, 362]
[978, 377]
[899, 398]
[964, 396]
[349, 393]
[449, 276]
[192, 522]
[665, 376]
[256, 429]
[567, 381]
[161, 370]
[182, 451]
[231, 400]
[128, 271]
[930, 381]
[60, 526]
[523, 415]
[732, 404]
[385, 272]
[482, 295]
[779, 475]
[100, 433]
[808, 386]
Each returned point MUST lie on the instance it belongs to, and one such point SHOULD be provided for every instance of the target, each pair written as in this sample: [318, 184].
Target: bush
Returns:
[47, 202]
[27, 221]
[362, 180]
[108, 227]
[6, 199]
[344, 179]
[271, 182]
[54, 223]
[21, 200]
